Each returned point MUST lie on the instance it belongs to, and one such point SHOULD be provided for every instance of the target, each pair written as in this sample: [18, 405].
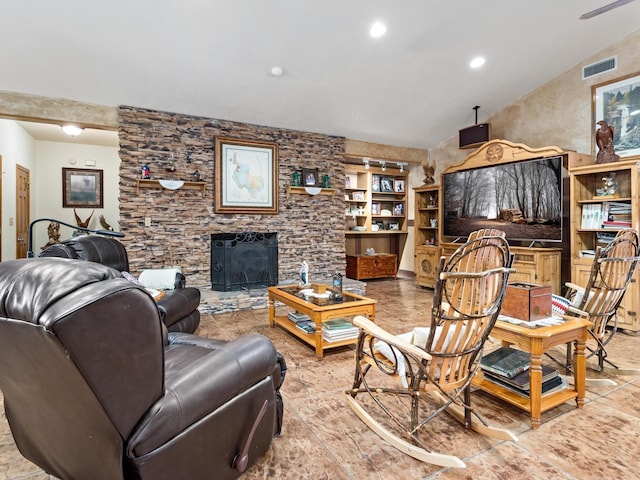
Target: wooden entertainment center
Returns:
[533, 264]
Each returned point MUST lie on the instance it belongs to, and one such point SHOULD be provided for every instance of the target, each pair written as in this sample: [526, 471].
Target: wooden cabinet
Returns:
[591, 207]
[531, 264]
[426, 228]
[372, 266]
[376, 209]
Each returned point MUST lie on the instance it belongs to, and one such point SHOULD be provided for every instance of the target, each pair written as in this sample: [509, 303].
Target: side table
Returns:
[537, 341]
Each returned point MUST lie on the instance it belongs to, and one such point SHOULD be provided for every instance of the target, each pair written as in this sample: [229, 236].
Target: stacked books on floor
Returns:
[509, 368]
[338, 329]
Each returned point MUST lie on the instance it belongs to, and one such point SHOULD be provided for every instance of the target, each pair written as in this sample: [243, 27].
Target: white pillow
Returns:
[160, 279]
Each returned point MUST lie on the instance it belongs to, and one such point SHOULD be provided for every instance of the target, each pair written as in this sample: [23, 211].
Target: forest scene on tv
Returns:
[523, 199]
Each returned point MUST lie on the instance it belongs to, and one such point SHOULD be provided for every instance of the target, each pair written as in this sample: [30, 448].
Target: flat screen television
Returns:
[523, 199]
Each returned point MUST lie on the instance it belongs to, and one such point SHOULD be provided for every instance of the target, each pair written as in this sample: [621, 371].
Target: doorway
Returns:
[23, 209]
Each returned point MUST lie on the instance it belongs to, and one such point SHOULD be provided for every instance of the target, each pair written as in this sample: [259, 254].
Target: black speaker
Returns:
[475, 135]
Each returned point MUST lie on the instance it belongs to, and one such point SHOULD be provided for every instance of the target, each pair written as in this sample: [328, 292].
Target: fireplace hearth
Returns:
[243, 261]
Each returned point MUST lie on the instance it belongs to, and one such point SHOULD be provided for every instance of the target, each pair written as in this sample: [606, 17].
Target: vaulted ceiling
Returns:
[411, 87]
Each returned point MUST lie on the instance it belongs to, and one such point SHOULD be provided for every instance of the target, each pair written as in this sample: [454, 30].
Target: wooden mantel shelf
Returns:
[145, 183]
[302, 191]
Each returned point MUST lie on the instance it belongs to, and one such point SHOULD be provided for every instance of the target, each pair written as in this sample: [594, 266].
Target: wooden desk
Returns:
[320, 310]
[537, 341]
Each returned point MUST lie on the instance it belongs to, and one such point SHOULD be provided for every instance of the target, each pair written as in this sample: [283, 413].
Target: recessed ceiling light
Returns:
[477, 62]
[276, 71]
[378, 29]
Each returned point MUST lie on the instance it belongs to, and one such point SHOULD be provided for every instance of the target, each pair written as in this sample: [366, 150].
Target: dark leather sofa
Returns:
[95, 388]
[178, 308]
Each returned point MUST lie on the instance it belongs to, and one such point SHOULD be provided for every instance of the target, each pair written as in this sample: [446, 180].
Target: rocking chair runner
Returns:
[440, 360]
[611, 273]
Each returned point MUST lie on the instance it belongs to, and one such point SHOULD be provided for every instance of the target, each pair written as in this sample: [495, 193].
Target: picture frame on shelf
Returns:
[613, 101]
[394, 226]
[347, 182]
[375, 208]
[310, 177]
[82, 188]
[375, 183]
[386, 185]
[398, 186]
[246, 176]
[359, 196]
[398, 209]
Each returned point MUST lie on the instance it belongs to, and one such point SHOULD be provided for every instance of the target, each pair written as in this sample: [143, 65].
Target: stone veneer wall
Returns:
[309, 227]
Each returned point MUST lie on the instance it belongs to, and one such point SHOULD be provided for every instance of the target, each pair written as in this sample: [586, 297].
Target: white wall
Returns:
[51, 157]
[17, 147]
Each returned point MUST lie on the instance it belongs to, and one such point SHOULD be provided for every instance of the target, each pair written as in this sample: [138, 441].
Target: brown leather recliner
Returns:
[94, 389]
[179, 307]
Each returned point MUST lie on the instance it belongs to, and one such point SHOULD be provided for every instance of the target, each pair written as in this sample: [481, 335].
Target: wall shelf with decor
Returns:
[312, 191]
[375, 209]
[426, 248]
[598, 211]
[147, 183]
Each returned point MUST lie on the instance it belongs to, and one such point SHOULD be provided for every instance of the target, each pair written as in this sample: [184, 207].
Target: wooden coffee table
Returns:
[537, 341]
[320, 310]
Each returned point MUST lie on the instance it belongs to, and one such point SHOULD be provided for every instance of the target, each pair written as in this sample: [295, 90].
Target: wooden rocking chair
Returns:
[441, 360]
[611, 273]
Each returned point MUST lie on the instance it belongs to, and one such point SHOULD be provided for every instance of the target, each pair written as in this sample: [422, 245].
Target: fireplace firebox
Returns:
[243, 261]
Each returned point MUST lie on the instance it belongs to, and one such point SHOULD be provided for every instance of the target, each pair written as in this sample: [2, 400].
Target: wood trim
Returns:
[496, 152]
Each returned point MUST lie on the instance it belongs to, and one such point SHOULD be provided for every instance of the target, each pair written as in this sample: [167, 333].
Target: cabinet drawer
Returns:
[371, 266]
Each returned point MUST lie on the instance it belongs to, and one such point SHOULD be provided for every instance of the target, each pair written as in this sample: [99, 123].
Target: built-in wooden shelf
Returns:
[144, 183]
[302, 191]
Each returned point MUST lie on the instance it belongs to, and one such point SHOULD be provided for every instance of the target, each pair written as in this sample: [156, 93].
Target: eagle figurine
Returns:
[604, 140]
[80, 222]
[429, 170]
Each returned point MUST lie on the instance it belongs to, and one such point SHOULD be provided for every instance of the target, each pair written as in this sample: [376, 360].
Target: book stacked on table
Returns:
[338, 329]
[509, 368]
[298, 317]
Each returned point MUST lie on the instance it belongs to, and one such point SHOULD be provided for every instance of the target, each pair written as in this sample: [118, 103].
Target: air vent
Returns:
[597, 68]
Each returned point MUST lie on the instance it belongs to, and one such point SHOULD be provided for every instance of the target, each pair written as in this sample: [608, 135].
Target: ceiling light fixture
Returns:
[276, 71]
[377, 30]
[384, 166]
[477, 62]
[72, 130]
[366, 163]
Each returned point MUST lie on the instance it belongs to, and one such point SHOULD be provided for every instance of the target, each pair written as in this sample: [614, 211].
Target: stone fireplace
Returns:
[243, 261]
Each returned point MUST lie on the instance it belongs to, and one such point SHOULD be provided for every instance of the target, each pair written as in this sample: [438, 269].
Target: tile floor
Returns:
[323, 439]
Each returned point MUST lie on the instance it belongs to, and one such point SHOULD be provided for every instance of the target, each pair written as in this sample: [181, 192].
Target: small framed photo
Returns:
[375, 183]
[347, 182]
[398, 209]
[358, 196]
[398, 186]
[375, 208]
[82, 188]
[310, 177]
[394, 226]
[386, 185]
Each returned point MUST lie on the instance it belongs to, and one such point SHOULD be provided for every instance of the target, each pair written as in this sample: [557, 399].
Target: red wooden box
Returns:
[527, 301]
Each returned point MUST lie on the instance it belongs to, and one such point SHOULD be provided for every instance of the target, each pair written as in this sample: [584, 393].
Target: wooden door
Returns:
[23, 207]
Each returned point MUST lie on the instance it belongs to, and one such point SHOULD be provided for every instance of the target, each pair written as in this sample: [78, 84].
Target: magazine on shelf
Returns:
[307, 327]
[521, 381]
[298, 317]
[336, 337]
[337, 324]
[552, 385]
[505, 361]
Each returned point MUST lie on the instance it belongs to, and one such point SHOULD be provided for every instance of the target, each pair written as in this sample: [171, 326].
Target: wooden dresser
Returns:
[380, 265]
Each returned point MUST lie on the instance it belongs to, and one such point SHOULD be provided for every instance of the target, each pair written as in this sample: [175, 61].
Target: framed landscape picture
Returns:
[618, 103]
[246, 176]
[82, 188]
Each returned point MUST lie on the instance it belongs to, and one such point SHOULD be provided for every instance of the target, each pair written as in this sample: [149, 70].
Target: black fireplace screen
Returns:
[243, 261]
